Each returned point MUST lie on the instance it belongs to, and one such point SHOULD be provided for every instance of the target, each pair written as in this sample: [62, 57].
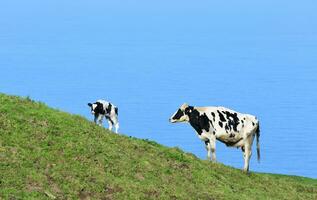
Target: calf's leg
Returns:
[115, 122]
[110, 125]
[117, 127]
[98, 119]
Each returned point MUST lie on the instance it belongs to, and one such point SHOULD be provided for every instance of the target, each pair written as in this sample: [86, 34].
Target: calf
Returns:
[101, 109]
[218, 123]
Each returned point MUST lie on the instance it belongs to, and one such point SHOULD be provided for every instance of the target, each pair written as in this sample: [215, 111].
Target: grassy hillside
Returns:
[49, 154]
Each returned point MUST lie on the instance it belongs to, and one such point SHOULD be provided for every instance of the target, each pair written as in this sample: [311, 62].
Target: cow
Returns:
[101, 109]
[219, 123]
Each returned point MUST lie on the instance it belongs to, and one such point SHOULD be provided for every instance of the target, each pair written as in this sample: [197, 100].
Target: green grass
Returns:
[49, 154]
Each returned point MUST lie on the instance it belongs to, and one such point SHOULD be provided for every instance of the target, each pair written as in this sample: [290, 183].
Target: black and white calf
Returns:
[218, 123]
[101, 109]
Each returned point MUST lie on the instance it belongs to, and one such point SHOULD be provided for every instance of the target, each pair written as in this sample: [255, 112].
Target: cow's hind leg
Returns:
[116, 123]
[110, 123]
[247, 152]
[247, 156]
[117, 127]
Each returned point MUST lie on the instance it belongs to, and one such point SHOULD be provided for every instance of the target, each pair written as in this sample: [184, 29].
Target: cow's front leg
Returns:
[96, 119]
[210, 143]
[213, 148]
[208, 148]
[100, 118]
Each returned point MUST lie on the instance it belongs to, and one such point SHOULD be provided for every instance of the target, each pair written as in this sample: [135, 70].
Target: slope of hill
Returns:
[49, 154]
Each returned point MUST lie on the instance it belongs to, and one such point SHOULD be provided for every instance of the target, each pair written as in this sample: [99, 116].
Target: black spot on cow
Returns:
[178, 115]
[116, 110]
[99, 108]
[108, 118]
[253, 124]
[220, 124]
[214, 132]
[227, 127]
[231, 135]
[222, 118]
[213, 114]
[199, 122]
[210, 121]
[207, 142]
[233, 120]
[242, 121]
[189, 109]
[108, 109]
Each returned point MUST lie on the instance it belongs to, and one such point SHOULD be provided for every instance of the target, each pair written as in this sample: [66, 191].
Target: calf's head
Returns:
[96, 108]
[181, 115]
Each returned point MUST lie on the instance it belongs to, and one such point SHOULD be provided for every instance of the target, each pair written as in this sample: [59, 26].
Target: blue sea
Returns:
[149, 57]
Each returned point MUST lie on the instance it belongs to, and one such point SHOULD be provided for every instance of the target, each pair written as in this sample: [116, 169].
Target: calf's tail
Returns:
[258, 141]
[116, 110]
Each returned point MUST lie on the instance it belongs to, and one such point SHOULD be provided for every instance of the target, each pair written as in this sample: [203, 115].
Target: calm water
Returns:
[149, 58]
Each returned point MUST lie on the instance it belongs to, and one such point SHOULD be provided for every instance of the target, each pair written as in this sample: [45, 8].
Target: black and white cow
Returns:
[218, 123]
[101, 109]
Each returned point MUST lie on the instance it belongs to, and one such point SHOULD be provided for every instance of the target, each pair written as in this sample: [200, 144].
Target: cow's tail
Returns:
[258, 141]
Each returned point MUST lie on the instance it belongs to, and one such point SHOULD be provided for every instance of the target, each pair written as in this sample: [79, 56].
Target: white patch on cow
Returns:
[93, 108]
[204, 136]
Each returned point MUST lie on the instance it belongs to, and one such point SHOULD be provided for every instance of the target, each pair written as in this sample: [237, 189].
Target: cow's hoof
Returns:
[247, 172]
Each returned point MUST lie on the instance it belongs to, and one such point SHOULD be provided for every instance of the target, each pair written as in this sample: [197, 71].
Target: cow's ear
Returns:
[184, 106]
[188, 110]
[89, 104]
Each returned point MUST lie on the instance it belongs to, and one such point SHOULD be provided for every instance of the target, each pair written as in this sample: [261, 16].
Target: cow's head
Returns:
[181, 115]
[96, 108]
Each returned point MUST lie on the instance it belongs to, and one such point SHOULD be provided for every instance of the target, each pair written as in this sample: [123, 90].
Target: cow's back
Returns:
[104, 103]
[228, 120]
